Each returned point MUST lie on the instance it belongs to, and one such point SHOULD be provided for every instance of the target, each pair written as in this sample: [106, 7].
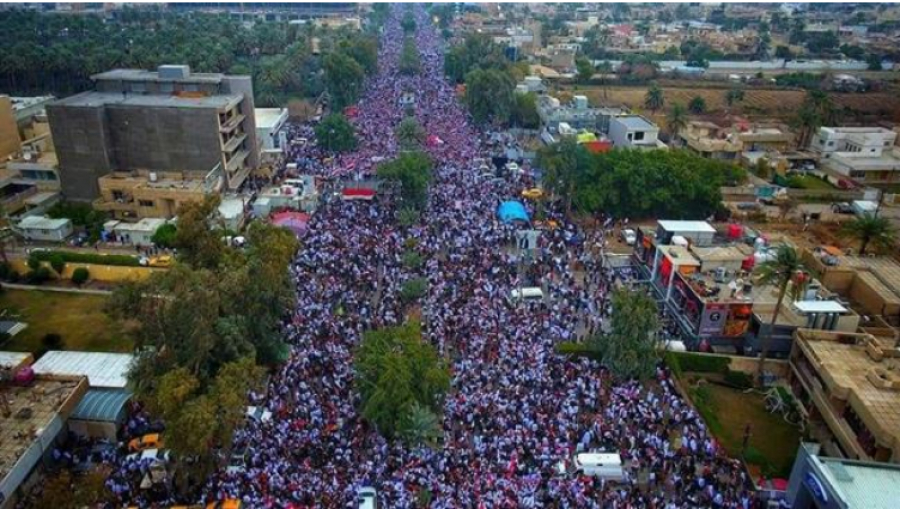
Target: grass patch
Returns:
[773, 442]
[78, 318]
[809, 182]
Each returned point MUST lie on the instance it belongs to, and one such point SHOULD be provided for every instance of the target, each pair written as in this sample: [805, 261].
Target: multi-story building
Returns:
[848, 389]
[634, 131]
[864, 154]
[733, 140]
[143, 194]
[171, 120]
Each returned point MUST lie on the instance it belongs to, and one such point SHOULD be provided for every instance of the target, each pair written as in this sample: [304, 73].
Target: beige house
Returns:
[143, 194]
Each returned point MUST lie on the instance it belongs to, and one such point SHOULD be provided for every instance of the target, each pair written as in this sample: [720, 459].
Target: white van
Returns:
[368, 498]
[607, 466]
[529, 294]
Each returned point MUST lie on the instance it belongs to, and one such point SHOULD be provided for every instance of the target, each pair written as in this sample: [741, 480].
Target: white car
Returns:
[259, 414]
[606, 466]
[629, 236]
[367, 498]
[156, 455]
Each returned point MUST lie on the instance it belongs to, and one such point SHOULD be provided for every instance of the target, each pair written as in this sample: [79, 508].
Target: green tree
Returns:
[872, 230]
[630, 349]
[490, 95]
[585, 70]
[412, 172]
[165, 236]
[655, 183]
[58, 263]
[697, 104]
[80, 276]
[336, 134]
[408, 23]
[564, 164]
[343, 79]
[783, 52]
[735, 95]
[477, 51]
[874, 62]
[410, 134]
[778, 272]
[525, 113]
[676, 120]
[410, 62]
[816, 110]
[654, 100]
[396, 372]
[413, 289]
[421, 427]
[199, 244]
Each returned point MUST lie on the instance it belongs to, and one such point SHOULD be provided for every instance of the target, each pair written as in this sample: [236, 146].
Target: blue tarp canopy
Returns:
[510, 211]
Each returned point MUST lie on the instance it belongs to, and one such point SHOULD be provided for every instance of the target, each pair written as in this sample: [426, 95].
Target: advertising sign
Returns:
[713, 321]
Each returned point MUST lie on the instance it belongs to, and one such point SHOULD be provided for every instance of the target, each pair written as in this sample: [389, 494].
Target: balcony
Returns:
[230, 124]
[234, 143]
[836, 424]
[105, 205]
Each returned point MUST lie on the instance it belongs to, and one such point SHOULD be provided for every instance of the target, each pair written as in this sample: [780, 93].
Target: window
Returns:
[830, 143]
[630, 136]
[639, 135]
[145, 203]
[887, 144]
[118, 195]
[856, 174]
[166, 88]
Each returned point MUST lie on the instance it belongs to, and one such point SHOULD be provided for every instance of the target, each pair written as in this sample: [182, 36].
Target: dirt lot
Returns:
[770, 103]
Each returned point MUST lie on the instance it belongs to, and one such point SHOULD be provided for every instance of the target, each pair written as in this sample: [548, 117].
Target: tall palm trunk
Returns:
[767, 337]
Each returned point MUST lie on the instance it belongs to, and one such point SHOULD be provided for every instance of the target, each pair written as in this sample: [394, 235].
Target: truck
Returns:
[863, 207]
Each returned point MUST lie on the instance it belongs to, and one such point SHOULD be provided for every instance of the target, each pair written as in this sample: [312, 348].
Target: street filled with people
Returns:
[516, 408]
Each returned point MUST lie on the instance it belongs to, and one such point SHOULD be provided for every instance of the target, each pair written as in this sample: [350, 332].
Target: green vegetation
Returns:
[51, 53]
[654, 100]
[630, 349]
[72, 257]
[490, 95]
[817, 110]
[335, 133]
[697, 105]
[808, 182]
[82, 215]
[413, 289]
[408, 23]
[779, 271]
[412, 172]
[165, 235]
[343, 79]
[80, 276]
[805, 80]
[78, 317]
[637, 184]
[410, 62]
[410, 134]
[871, 230]
[401, 381]
[524, 111]
[773, 442]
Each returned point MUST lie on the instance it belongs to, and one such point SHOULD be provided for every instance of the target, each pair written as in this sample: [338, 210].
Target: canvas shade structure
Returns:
[510, 211]
[100, 413]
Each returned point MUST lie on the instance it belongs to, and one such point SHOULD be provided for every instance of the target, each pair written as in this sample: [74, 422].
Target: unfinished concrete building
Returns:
[201, 125]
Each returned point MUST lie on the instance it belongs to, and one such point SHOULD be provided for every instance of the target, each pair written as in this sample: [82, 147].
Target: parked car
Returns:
[629, 236]
[238, 460]
[842, 208]
[150, 441]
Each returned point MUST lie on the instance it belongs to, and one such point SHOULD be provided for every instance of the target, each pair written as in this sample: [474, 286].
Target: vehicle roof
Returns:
[587, 458]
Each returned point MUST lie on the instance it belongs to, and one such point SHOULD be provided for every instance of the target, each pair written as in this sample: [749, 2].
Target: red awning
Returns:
[358, 194]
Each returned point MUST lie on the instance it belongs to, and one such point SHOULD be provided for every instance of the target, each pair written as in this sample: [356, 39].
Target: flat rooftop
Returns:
[99, 99]
[102, 369]
[267, 118]
[846, 369]
[145, 75]
[635, 122]
[686, 226]
[32, 411]
[865, 485]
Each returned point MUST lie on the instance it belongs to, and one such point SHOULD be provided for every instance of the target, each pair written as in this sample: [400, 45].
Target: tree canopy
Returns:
[401, 380]
[490, 95]
[477, 51]
[637, 184]
[335, 133]
[412, 171]
[343, 79]
[870, 230]
[630, 349]
[410, 62]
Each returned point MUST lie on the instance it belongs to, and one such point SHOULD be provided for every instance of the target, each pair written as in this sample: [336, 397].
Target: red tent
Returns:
[598, 146]
[358, 194]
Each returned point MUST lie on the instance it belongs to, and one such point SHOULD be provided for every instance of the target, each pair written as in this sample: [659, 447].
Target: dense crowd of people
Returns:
[516, 409]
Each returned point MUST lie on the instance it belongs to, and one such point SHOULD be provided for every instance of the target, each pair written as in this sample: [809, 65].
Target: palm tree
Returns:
[870, 229]
[410, 134]
[421, 427]
[778, 272]
[677, 120]
[654, 99]
[697, 104]
[734, 95]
